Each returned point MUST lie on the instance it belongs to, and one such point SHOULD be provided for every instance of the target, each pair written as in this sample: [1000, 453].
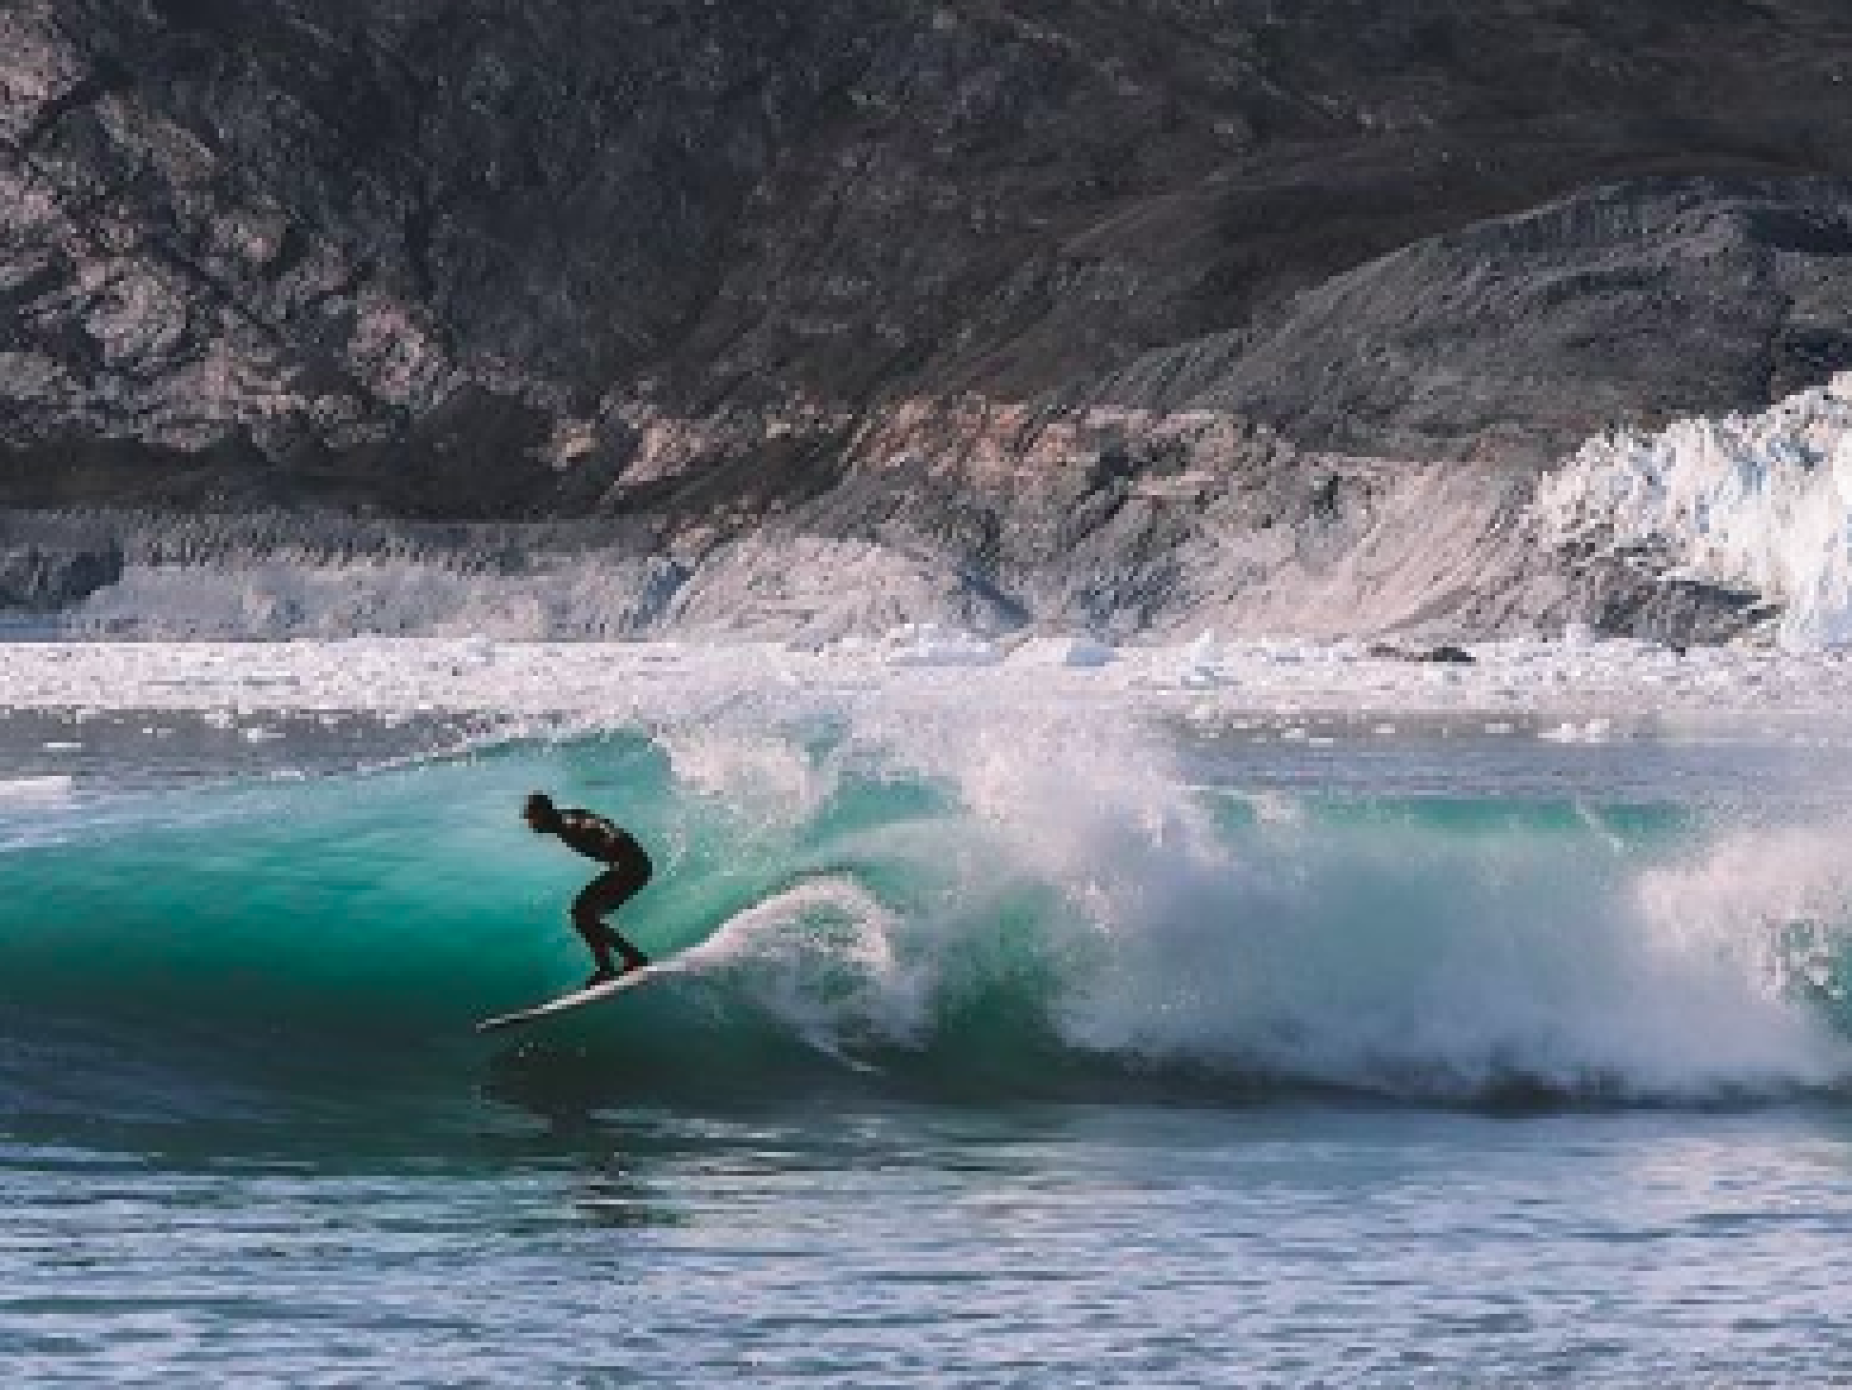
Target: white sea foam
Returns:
[1402, 960]
[1387, 955]
[751, 773]
[827, 958]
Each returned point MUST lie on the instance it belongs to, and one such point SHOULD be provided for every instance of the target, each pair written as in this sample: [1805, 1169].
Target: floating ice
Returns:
[230, 686]
[1201, 663]
[1080, 652]
[927, 644]
[1593, 731]
[35, 790]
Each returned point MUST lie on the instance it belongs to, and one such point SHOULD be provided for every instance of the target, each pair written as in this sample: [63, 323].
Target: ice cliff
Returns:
[1761, 503]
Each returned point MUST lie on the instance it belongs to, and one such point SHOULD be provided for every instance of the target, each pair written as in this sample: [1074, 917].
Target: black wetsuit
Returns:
[597, 838]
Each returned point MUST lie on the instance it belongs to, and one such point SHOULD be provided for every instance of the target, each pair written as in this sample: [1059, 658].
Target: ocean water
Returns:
[1051, 1048]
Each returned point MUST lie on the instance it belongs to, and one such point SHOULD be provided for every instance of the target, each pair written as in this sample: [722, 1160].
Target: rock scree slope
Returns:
[1125, 313]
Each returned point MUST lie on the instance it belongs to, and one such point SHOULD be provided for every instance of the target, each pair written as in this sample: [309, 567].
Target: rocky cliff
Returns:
[1106, 311]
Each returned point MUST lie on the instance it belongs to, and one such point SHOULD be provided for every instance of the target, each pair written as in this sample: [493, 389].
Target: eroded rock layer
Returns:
[1118, 313]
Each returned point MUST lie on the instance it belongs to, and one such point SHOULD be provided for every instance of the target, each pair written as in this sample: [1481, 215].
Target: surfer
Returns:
[596, 838]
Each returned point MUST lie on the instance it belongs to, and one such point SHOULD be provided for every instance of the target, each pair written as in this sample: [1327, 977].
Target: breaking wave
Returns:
[946, 905]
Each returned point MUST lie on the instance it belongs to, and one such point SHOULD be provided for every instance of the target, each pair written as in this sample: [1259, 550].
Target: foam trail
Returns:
[1385, 955]
[827, 958]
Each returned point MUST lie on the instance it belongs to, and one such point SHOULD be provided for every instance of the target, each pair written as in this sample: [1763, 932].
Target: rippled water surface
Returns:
[999, 1058]
[854, 1244]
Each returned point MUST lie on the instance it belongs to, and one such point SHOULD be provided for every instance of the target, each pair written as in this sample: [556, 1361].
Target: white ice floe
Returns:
[35, 790]
[1595, 690]
[1762, 503]
[1079, 652]
[1570, 731]
[928, 644]
[1200, 664]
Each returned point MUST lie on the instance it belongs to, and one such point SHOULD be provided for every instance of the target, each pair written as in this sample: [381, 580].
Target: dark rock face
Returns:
[44, 574]
[1516, 338]
[310, 245]
[1644, 601]
[705, 264]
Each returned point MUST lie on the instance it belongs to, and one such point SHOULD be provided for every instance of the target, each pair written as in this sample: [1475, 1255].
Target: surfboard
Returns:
[578, 999]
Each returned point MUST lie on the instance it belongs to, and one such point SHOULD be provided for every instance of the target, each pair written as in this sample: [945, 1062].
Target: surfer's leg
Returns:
[585, 920]
[604, 894]
[634, 959]
[627, 880]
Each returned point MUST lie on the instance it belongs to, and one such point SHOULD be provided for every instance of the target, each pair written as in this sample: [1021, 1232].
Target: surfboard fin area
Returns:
[578, 999]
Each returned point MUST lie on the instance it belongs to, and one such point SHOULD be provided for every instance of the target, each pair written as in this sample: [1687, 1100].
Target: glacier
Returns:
[1762, 502]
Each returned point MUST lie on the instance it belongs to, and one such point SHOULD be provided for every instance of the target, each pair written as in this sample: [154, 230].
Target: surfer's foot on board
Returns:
[604, 974]
[633, 958]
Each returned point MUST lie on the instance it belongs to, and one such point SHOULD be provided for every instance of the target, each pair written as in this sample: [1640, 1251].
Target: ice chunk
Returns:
[1201, 663]
[927, 644]
[1062, 651]
[35, 790]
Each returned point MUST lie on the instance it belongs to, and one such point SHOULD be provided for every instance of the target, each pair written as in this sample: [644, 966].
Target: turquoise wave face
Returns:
[967, 911]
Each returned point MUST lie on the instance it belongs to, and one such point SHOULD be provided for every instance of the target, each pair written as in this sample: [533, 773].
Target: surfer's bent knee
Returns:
[611, 890]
